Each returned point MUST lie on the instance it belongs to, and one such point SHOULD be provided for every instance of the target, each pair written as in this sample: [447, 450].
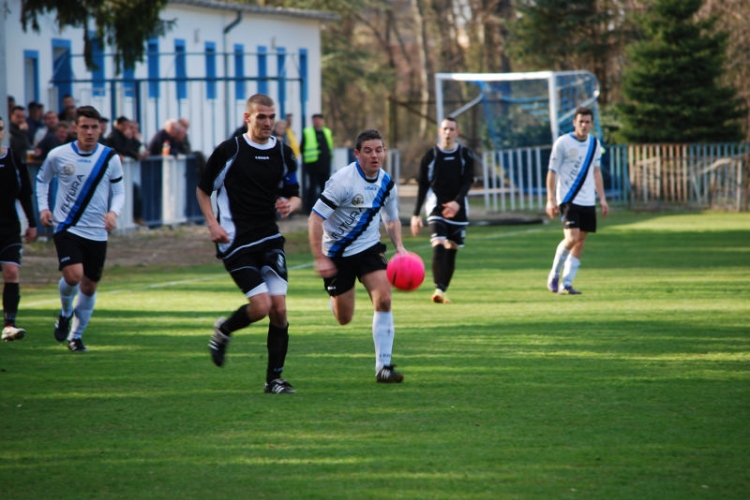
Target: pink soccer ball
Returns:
[406, 271]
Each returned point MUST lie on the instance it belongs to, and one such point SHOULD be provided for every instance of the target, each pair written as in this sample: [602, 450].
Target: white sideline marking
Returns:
[293, 268]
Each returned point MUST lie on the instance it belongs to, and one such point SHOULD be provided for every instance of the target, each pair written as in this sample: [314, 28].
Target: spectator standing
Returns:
[446, 173]
[317, 152]
[50, 121]
[67, 103]
[254, 177]
[344, 233]
[14, 185]
[122, 140]
[19, 138]
[170, 134]
[90, 196]
[35, 119]
[51, 141]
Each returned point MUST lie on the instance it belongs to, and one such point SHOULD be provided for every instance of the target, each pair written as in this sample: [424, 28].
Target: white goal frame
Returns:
[549, 76]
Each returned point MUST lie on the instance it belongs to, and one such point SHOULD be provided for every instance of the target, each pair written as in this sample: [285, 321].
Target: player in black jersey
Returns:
[14, 185]
[254, 177]
[445, 177]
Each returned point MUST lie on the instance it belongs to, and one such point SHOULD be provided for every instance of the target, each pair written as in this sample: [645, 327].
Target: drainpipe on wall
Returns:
[227, 108]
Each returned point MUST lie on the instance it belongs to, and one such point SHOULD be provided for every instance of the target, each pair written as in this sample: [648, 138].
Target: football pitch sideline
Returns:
[639, 388]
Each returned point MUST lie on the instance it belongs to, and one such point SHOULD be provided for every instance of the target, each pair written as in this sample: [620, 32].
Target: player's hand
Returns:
[416, 223]
[450, 209]
[605, 208]
[325, 267]
[110, 221]
[30, 234]
[284, 207]
[45, 217]
[218, 235]
[552, 209]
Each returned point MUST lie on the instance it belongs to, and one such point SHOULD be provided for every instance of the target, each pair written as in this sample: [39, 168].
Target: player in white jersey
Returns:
[90, 195]
[344, 231]
[573, 179]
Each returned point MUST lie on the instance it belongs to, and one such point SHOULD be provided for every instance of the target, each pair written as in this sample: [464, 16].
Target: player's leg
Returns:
[455, 240]
[562, 252]
[383, 331]
[586, 224]
[70, 260]
[277, 342]
[11, 297]
[94, 255]
[341, 289]
[439, 239]
[245, 271]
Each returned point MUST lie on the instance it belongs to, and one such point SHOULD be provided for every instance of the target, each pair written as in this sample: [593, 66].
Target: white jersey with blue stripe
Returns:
[569, 156]
[79, 205]
[352, 206]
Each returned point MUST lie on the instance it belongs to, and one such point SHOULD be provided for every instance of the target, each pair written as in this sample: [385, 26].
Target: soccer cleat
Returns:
[11, 333]
[569, 290]
[76, 345]
[278, 386]
[439, 297]
[62, 327]
[553, 284]
[388, 375]
[218, 343]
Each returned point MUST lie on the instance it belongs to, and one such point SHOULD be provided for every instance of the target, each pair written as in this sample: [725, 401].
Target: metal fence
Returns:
[644, 176]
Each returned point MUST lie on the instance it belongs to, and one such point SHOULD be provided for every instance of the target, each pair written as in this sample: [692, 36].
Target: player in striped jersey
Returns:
[573, 179]
[254, 177]
[344, 232]
[89, 198]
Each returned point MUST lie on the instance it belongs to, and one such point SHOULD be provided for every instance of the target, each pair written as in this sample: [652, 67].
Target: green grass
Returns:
[640, 388]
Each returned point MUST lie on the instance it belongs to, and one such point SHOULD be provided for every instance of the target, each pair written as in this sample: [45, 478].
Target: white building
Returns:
[204, 69]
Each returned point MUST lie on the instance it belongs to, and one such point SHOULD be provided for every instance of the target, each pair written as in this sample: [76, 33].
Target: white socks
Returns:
[569, 271]
[67, 295]
[83, 311]
[561, 255]
[382, 336]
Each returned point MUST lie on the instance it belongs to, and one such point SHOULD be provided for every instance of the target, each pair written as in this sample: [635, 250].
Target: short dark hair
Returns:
[450, 119]
[17, 108]
[318, 115]
[368, 135]
[582, 110]
[88, 112]
[261, 99]
[121, 119]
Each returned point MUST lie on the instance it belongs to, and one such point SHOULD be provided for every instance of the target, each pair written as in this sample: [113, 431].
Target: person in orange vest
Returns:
[317, 153]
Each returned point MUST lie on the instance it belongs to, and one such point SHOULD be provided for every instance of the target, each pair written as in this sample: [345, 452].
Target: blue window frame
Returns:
[239, 71]
[180, 68]
[62, 68]
[262, 69]
[97, 74]
[210, 70]
[153, 67]
[281, 70]
[303, 73]
[128, 81]
[31, 74]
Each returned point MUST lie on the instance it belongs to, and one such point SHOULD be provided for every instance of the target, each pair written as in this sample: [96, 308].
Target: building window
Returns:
[62, 69]
[262, 70]
[180, 68]
[153, 67]
[210, 70]
[239, 72]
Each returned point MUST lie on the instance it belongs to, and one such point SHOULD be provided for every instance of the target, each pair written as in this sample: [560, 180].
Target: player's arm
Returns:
[289, 200]
[118, 193]
[43, 179]
[552, 207]
[389, 215]
[325, 266]
[423, 186]
[25, 198]
[599, 186]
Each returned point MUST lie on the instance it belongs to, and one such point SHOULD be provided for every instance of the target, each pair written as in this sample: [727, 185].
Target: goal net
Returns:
[511, 110]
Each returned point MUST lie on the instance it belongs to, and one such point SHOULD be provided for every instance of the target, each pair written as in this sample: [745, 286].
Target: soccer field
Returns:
[639, 388]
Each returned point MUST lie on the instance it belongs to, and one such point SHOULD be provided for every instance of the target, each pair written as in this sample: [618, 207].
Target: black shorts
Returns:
[455, 233]
[368, 261]
[72, 249]
[576, 216]
[259, 271]
[11, 248]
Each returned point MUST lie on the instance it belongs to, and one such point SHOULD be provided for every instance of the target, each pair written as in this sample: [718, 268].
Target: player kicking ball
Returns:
[344, 232]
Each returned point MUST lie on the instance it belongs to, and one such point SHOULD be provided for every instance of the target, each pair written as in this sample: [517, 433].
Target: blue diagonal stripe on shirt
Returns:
[87, 187]
[582, 174]
[365, 220]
